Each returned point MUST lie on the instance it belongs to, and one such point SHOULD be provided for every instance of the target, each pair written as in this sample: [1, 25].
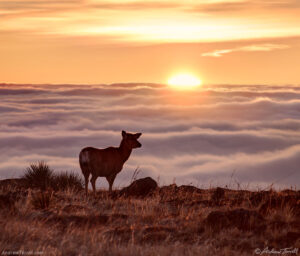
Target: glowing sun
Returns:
[184, 81]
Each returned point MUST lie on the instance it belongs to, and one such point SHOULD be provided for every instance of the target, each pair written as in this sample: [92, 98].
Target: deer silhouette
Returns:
[107, 162]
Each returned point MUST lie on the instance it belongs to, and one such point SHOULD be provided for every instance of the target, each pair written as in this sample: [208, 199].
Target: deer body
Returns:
[106, 162]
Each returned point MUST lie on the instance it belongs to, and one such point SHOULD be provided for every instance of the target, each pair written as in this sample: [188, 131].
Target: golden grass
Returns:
[173, 221]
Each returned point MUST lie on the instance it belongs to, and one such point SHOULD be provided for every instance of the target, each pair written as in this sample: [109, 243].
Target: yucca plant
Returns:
[39, 175]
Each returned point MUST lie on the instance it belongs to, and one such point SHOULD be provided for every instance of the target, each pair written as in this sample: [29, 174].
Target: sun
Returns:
[184, 81]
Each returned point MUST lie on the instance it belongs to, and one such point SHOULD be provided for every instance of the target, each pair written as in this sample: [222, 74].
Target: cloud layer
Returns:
[194, 137]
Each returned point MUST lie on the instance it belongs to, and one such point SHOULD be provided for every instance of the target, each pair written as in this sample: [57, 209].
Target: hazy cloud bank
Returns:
[199, 137]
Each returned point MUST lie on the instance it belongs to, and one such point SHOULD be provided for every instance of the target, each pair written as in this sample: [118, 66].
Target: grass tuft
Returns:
[39, 175]
[65, 181]
[41, 200]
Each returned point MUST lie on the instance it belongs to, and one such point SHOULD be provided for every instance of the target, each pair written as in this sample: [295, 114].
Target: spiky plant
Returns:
[39, 175]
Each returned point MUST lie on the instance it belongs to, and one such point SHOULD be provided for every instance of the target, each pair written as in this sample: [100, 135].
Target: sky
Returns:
[75, 73]
[243, 135]
[111, 41]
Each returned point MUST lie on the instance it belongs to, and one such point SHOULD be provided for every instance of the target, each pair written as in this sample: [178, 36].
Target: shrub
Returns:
[65, 180]
[39, 175]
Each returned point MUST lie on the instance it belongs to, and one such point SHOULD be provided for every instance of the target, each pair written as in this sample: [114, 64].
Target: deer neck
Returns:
[124, 151]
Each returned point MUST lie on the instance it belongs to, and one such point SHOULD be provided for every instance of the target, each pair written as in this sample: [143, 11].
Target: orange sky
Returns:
[93, 41]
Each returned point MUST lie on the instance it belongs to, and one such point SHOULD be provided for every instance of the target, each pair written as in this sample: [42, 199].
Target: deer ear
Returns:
[137, 135]
[123, 134]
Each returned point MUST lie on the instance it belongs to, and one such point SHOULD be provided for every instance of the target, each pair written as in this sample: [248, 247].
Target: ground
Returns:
[170, 220]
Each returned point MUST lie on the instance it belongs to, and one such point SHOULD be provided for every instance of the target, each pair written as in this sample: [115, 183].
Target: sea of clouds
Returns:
[247, 136]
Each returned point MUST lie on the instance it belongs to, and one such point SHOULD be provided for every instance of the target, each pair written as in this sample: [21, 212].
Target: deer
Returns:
[107, 162]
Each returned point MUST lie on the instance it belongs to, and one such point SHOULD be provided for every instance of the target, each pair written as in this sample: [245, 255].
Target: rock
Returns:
[184, 192]
[167, 193]
[168, 189]
[190, 189]
[140, 188]
[240, 218]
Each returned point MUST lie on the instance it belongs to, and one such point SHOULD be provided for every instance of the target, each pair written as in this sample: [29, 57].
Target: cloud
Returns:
[155, 21]
[243, 6]
[249, 48]
[196, 137]
[136, 5]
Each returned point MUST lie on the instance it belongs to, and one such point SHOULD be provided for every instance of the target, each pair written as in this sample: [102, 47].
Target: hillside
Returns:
[169, 220]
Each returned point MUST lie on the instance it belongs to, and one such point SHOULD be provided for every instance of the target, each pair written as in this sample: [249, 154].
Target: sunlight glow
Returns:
[184, 81]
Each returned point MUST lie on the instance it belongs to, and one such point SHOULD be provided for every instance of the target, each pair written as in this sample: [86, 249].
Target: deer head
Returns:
[130, 140]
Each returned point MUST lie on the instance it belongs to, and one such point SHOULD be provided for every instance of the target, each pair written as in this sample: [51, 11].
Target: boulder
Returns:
[140, 188]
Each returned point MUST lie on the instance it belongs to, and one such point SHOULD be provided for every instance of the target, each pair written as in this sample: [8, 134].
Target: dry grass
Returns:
[40, 175]
[172, 221]
[45, 213]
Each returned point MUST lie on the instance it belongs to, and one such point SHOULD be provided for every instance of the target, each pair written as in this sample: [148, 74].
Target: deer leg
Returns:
[111, 180]
[93, 181]
[86, 183]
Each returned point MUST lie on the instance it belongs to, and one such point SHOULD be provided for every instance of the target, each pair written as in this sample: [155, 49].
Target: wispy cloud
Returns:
[154, 21]
[244, 6]
[248, 48]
